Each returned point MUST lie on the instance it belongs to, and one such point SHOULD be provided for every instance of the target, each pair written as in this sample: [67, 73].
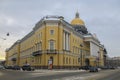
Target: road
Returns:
[37, 75]
[59, 75]
[111, 76]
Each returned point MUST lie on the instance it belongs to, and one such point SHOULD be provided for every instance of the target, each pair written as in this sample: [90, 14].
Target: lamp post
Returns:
[81, 54]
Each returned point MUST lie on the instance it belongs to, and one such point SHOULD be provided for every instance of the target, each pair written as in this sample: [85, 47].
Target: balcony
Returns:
[36, 53]
[52, 51]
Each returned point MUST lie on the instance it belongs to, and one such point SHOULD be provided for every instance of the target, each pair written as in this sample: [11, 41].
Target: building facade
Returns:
[114, 61]
[55, 43]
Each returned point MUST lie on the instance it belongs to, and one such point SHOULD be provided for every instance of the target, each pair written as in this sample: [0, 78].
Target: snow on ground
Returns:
[50, 72]
[76, 78]
[71, 78]
[60, 71]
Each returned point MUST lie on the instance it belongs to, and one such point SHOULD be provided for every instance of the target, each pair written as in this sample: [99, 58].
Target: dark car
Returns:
[27, 68]
[8, 67]
[104, 67]
[85, 67]
[93, 69]
[112, 67]
[16, 67]
[107, 67]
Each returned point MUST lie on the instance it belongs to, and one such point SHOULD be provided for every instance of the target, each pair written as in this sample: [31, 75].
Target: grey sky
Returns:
[101, 17]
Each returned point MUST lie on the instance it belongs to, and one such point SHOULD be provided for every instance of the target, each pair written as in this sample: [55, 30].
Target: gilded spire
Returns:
[77, 15]
[77, 20]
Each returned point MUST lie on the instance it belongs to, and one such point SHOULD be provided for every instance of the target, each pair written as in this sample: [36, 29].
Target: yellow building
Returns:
[55, 43]
[13, 54]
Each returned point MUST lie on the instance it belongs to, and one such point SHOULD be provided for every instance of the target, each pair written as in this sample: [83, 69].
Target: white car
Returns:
[1, 67]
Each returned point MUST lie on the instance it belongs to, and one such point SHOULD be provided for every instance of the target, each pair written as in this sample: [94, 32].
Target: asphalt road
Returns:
[112, 76]
[31, 75]
[51, 75]
[59, 76]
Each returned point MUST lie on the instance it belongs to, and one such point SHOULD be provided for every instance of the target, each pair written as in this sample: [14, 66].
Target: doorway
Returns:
[87, 62]
[50, 63]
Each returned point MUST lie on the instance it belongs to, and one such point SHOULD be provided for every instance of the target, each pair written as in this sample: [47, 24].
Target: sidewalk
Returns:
[57, 70]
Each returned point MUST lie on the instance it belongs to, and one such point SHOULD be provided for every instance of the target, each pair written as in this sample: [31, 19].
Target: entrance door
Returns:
[50, 63]
[87, 62]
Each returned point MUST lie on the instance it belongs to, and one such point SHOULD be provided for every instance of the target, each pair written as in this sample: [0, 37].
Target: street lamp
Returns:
[7, 34]
[81, 45]
[4, 38]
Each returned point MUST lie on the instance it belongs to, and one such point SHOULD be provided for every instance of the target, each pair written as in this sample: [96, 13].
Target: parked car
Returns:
[108, 67]
[85, 67]
[16, 67]
[27, 68]
[93, 69]
[8, 67]
[2, 67]
[112, 67]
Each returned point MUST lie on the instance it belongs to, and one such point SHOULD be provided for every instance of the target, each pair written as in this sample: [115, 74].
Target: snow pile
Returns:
[71, 78]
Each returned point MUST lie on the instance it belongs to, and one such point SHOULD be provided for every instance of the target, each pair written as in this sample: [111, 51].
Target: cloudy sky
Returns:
[102, 17]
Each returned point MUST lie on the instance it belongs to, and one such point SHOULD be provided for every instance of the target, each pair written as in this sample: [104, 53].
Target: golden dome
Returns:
[77, 20]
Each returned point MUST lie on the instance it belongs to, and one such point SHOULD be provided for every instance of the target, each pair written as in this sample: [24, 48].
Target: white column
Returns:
[94, 48]
[67, 41]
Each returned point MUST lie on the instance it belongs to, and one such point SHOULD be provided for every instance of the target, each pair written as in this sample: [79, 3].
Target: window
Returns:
[73, 61]
[40, 59]
[73, 49]
[40, 35]
[51, 32]
[66, 60]
[37, 47]
[40, 46]
[51, 45]
[69, 61]
[63, 60]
